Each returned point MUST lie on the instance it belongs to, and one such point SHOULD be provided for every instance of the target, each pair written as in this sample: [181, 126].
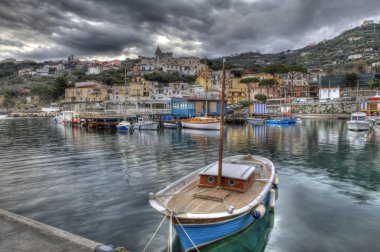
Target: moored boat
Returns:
[358, 122]
[170, 124]
[256, 120]
[124, 126]
[220, 199]
[205, 123]
[281, 120]
[146, 124]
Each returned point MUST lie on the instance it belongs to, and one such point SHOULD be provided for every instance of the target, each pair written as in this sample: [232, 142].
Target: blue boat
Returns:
[281, 120]
[202, 213]
[124, 126]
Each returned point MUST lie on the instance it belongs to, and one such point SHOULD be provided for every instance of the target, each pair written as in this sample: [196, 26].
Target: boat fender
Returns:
[275, 180]
[231, 209]
[103, 248]
[272, 198]
[258, 212]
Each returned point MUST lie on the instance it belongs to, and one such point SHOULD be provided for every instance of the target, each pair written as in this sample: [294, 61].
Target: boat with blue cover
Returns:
[124, 126]
[220, 199]
[281, 120]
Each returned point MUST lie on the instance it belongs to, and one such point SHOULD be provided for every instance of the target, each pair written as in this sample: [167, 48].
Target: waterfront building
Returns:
[189, 107]
[87, 95]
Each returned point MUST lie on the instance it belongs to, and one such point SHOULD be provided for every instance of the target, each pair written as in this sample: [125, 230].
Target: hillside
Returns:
[363, 40]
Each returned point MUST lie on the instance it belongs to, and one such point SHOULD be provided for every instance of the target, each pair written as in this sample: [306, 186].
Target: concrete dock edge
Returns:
[18, 233]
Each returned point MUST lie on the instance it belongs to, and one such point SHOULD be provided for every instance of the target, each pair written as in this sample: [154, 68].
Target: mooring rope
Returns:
[155, 233]
[186, 233]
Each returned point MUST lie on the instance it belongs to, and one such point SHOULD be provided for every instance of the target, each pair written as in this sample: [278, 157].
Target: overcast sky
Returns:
[52, 29]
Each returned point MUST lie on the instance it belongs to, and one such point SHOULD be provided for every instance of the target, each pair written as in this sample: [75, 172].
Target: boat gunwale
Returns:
[184, 181]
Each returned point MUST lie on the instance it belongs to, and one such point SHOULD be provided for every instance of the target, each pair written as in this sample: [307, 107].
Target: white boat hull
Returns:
[203, 126]
[252, 120]
[146, 126]
[358, 126]
[170, 125]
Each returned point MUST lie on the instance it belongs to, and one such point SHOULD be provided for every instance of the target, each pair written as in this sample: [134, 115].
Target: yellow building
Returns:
[236, 91]
[86, 92]
[204, 82]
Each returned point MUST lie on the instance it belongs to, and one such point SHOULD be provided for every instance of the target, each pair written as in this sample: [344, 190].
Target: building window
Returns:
[231, 182]
[210, 179]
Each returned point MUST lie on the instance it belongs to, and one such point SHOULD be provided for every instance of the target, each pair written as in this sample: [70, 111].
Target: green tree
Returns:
[267, 83]
[42, 91]
[261, 97]
[374, 83]
[351, 79]
[248, 82]
[80, 74]
[292, 71]
[8, 99]
[59, 86]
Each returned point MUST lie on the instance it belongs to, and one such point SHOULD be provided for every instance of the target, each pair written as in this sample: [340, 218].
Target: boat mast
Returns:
[221, 127]
[206, 72]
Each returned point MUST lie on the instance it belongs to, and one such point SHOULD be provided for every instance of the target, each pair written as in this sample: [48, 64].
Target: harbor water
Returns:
[96, 183]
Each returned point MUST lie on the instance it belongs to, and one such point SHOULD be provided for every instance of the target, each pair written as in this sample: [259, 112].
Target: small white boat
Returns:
[255, 120]
[50, 109]
[124, 126]
[170, 124]
[146, 124]
[3, 116]
[358, 122]
[204, 123]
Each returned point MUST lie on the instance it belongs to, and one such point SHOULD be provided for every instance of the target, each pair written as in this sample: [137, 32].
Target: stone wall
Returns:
[326, 108]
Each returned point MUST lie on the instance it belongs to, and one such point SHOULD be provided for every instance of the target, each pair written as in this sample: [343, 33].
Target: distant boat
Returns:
[170, 122]
[220, 199]
[3, 116]
[145, 124]
[281, 120]
[358, 122]
[124, 126]
[256, 120]
[204, 123]
[50, 109]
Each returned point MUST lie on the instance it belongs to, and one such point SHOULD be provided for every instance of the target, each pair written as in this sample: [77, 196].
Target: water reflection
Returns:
[253, 238]
[95, 183]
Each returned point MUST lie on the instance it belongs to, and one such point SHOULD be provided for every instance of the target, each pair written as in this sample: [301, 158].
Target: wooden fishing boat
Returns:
[220, 199]
[204, 123]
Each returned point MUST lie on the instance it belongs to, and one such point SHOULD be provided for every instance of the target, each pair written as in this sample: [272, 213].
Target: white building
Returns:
[328, 93]
[93, 70]
[355, 56]
[43, 71]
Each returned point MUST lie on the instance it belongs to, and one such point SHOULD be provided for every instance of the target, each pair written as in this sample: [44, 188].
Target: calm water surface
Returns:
[96, 184]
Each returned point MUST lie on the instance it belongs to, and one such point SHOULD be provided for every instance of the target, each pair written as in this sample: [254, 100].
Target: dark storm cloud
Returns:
[46, 29]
